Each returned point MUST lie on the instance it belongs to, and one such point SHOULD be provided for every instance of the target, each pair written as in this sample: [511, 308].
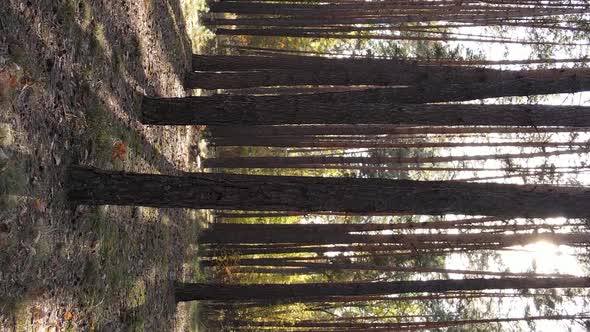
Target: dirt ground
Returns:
[72, 73]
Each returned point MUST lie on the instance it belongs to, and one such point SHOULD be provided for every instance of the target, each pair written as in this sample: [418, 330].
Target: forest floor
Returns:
[72, 73]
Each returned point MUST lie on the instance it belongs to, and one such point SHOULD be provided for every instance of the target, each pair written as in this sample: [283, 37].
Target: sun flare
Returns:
[542, 257]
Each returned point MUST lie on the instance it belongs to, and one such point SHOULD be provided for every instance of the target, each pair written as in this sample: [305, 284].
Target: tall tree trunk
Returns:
[186, 111]
[342, 162]
[301, 292]
[218, 230]
[370, 227]
[360, 301]
[292, 193]
[401, 240]
[376, 143]
[379, 324]
[235, 72]
[374, 250]
[303, 131]
[308, 267]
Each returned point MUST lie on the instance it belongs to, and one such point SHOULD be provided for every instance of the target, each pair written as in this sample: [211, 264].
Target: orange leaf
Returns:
[12, 82]
[68, 315]
[39, 206]
[119, 151]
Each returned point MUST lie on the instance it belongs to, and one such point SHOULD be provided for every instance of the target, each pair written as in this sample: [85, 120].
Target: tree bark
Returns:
[309, 194]
[302, 131]
[315, 267]
[376, 143]
[301, 292]
[400, 240]
[182, 111]
[380, 324]
[246, 108]
[235, 72]
[341, 162]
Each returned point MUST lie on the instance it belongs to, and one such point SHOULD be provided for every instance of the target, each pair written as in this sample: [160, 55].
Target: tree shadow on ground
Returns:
[87, 64]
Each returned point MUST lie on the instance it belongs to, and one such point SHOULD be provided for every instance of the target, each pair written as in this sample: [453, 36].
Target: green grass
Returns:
[19, 308]
[104, 132]
[111, 276]
[117, 62]
[13, 183]
[13, 179]
[112, 287]
[133, 317]
[22, 315]
[85, 12]
[106, 273]
[195, 314]
[67, 13]
[98, 40]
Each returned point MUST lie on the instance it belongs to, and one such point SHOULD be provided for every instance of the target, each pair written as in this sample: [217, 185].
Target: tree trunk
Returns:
[400, 240]
[324, 162]
[304, 131]
[235, 72]
[377, 143]
[238, 109]
[183, 111]
[315, 267]
[370, 227]
[309, 194]
[379, 324]
[302, 292]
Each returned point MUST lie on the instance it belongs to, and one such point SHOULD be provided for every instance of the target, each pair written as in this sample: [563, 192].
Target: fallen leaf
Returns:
[13, 82]
[68, 315]
[119, 151]
[39, 206]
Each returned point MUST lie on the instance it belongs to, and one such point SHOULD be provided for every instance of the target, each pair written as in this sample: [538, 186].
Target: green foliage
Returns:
[200, 36]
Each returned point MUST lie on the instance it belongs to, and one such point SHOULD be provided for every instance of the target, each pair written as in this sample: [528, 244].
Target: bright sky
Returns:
[547, 257]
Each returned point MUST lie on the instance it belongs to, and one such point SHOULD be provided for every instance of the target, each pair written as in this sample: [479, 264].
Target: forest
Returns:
[295, 165]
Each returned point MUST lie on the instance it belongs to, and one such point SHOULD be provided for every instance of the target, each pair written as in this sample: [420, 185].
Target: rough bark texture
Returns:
[299, 131]
[376, 142]
[291, 193]
[401, 240]
[234, 72]
[222, 292]
[181, 110]
[293, 62]
[187, 111]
